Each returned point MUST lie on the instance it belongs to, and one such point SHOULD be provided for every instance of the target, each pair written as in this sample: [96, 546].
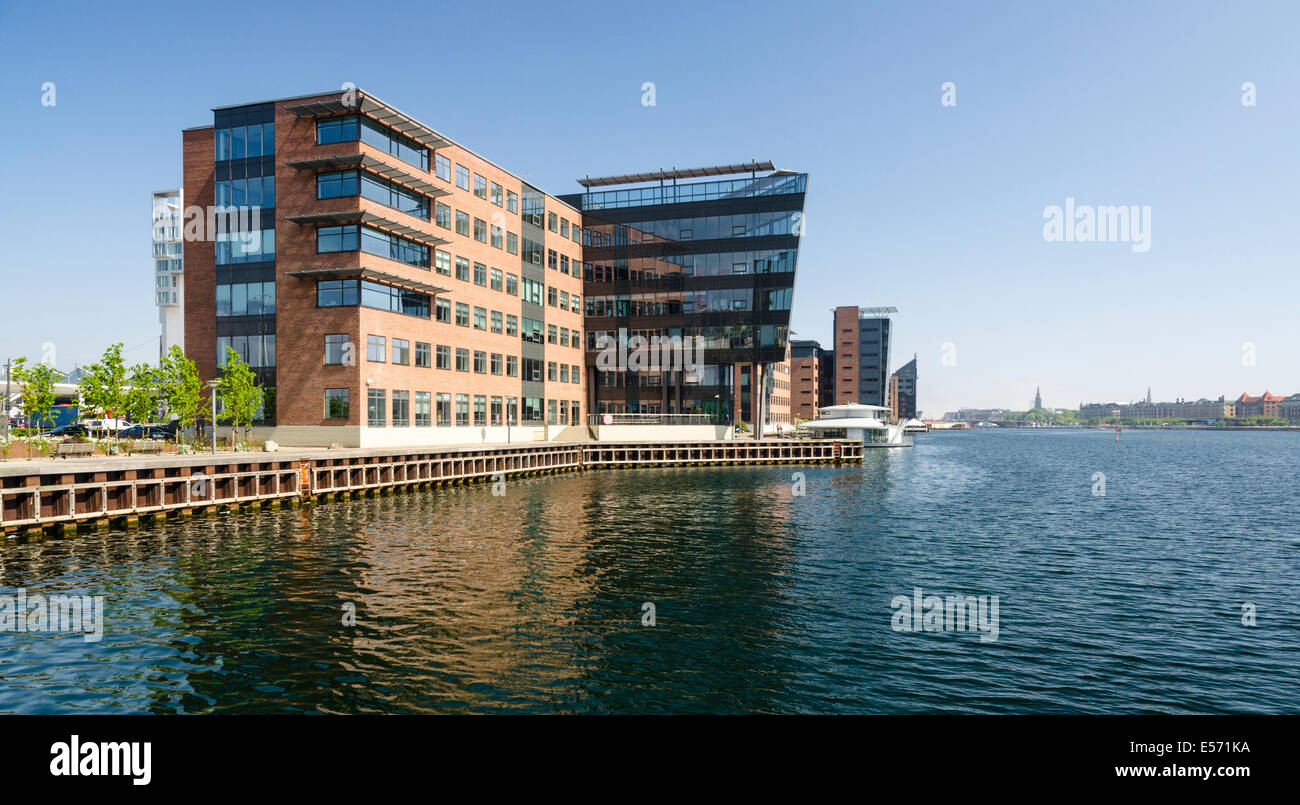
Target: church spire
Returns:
[1038, 397]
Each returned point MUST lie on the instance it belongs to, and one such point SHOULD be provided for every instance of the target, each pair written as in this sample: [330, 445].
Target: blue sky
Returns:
[936, 210]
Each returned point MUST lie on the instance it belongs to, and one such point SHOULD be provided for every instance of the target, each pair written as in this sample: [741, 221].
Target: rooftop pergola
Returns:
[675, 174]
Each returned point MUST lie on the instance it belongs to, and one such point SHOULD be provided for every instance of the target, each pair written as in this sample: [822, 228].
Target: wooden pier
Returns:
[62, 495]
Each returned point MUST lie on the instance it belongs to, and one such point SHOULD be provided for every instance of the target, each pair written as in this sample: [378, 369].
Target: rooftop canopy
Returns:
[369, 219]
[374, 109]
[675, 173]
[355, 272]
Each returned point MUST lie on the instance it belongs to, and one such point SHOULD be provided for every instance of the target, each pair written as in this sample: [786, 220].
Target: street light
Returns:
[212, 384]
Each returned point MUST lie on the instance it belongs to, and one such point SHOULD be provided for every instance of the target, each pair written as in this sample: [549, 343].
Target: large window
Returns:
[240, 142]
[480, 186]
[353, 237]
[338, 348]
[255, 191]
[401, 355]
[258, 351]
[375, 349]
[376, 135]
[382, 191]
[442, 167]
[423, 354]
[351, 292]
[375, 408]
[246, 299]
[246, 246]
[401, 409]
[336, 403]
[422, 413]
[462, 409]
[462, 177]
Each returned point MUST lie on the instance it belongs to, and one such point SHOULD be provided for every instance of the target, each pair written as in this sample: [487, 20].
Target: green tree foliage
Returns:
[238, 392]
[141, 400]
[36, 385]
[102, 390]
[181, 389]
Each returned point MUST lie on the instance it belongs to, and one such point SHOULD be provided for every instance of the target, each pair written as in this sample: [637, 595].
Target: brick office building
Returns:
[862, 354]
[404, 290]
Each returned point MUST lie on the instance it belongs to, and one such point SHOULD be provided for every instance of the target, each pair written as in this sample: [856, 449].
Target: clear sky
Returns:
[935, 209]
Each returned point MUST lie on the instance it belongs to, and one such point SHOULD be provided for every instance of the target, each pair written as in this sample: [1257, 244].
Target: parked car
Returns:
[71, 429]
[146, 432]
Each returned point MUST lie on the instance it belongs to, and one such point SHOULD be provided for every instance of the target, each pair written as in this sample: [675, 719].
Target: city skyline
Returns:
[943, 204]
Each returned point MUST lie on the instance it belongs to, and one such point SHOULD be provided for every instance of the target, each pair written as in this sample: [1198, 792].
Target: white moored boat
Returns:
[854, 421]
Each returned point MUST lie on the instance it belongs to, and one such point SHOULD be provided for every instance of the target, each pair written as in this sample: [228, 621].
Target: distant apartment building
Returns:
[1289, 409]
[401, 289]
[1265, 405]
[862, 354]
[975, 414]
[168, 267]
[903, 391]
[709, 264]
[807, 359]
[1201, 409]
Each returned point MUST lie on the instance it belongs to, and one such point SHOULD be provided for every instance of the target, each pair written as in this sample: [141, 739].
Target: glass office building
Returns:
[706, 264]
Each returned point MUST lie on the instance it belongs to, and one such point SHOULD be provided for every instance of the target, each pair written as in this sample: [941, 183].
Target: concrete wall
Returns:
[319, 436]
[660, 433]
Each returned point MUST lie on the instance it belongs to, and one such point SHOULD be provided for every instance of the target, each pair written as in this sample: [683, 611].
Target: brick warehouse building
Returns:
[405, 290]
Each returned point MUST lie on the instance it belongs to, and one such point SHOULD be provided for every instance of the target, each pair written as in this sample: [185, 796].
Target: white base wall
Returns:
[324, 436]
[661, 433]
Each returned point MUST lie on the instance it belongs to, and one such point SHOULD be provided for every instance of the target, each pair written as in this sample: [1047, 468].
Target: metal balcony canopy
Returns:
[367, 162]
[374, 109]
[875, 312]
[369, 219]
[676, 173]
[361, 272]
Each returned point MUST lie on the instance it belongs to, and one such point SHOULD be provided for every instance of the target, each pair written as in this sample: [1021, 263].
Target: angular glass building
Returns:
[709, 264]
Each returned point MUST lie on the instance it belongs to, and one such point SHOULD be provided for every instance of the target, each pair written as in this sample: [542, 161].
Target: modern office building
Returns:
[400, 289]
[810, 366]
[710, 264]
[862, 354]
[168, 267]
[903, 391]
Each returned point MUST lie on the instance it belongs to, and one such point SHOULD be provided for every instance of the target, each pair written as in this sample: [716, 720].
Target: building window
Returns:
[246, 299]
[462, 223]
[376, 135]
[442, 167]
[401, 355]
[240, 142]
[336, 403]
[444, 310]
[564, 227]
[462, 410]
[480, 318]
[480, 362]
[338, 348]
[551, 334]
[401, 409]
[512, 366]
[444, 357]
[574, 374]
[512, 284]
[443, 409]
[462, 359]
[347, 293]
[550, 412]
[480, 230]
[442, 215]
[496, 194]
[480, 410]
[512, 325]
[422, 356]
[422, 413]
[480, 274]
[375, 348]
[496, 363]
[375, 408]
[480, 187]
[462, 268]
[462, 314]
[462, 177]
[550, 371]
[496, 411]
[496, 321]
[351, 238]
[512, 201]
[496, 236]
[551, 222]
[442, 263]
[496, 279]
[512, 243]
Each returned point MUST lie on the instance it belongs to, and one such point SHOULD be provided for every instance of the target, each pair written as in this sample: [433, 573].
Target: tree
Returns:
[238, 392]
[180, 388]
[102, 389]
[141, 401]
[36, 385]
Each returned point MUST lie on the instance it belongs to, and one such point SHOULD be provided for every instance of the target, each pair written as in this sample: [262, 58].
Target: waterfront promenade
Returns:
[64, 494]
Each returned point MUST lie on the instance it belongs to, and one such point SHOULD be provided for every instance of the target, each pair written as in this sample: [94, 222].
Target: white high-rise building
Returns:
[168, 265]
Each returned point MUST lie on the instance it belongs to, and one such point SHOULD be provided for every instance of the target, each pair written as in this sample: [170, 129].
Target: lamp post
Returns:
[212, 384]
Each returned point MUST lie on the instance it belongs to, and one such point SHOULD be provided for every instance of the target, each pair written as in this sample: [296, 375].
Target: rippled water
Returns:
[765, 601]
